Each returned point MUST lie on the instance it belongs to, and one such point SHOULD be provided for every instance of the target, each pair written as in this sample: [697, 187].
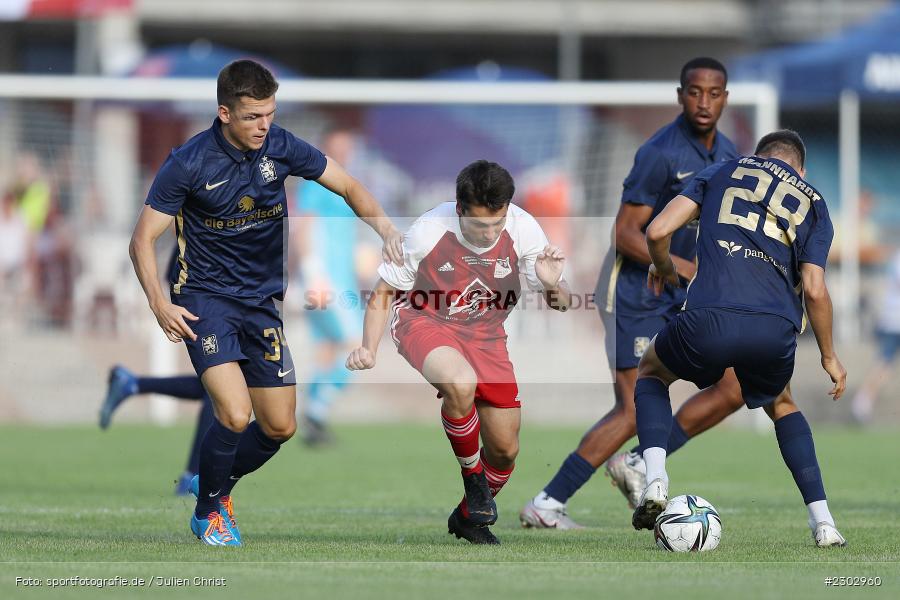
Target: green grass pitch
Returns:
[367, 518]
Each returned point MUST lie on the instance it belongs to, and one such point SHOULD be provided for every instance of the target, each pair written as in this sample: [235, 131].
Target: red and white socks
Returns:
[463, 435]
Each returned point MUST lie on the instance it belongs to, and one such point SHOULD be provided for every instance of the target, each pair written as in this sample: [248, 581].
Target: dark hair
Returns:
[783, 141]
[244, 78]
[484, 183]
[702, 62]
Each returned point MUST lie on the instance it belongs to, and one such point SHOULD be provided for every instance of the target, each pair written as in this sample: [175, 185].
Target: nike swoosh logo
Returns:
[679, 175]
[214, 185]
[280, 374]
[214, 494]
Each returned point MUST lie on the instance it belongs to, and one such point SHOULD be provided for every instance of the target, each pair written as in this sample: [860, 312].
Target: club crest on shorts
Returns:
[502, 268]
[640, 346]
[267, 169]
[210, 344]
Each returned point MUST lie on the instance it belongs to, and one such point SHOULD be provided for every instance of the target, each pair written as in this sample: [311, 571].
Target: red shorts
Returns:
[416, 337]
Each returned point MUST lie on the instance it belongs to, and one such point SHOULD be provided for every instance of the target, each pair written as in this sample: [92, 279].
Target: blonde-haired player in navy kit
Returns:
[224, 188]
[762, 246]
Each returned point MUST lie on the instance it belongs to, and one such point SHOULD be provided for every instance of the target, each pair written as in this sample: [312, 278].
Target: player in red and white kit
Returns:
[459, 281]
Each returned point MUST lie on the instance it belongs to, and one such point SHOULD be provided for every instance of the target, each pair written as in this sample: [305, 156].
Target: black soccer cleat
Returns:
[482, 508]
[464, 529]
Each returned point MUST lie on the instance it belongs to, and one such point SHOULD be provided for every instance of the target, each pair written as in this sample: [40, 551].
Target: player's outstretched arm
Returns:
[630, 241]
[675, 215]
[366, 207]
[377, 311]
[151, 224]
[548, 267]
[819, 311]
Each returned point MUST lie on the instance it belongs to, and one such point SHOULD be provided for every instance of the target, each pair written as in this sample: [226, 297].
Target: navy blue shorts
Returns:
[239, 330]
[628, 337]
[699, 344]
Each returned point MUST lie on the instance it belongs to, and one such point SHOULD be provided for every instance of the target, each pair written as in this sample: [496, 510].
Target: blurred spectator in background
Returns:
[54, 267]
[888, 335]
[32, 191]
[872, 250]
[14, 242]
[327, 244]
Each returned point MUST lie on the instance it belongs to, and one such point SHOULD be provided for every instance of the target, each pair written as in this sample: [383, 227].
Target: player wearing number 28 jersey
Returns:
[762, 245]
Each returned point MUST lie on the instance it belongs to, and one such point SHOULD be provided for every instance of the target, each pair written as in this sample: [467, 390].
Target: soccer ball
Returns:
[689, 524]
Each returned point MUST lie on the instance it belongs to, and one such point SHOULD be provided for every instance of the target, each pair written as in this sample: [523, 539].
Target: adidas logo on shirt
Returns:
[445, 267]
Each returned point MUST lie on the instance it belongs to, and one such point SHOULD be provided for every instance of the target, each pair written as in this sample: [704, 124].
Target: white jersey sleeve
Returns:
[530, 241]
[418, 242]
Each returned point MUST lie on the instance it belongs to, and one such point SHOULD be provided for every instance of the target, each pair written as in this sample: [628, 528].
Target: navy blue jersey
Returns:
[230, 210]
[662, 167]
[758, 221]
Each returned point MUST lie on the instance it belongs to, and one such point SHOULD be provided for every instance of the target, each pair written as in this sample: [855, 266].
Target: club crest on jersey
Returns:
[267, 169]
[640, 346]
[210, 344]
[472, 300]
[502, 268]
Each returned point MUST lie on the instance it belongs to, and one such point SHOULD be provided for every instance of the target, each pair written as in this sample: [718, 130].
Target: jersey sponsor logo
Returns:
[267, 169]
[474, 299]
[502, 268]
[246, 204]
[477, 260]
[210, 344]
[749, 253]
[730, 247]
[682, 176]
[250, 216]
[285, 373]
[640, 346]
[446, 267]
[211, 186]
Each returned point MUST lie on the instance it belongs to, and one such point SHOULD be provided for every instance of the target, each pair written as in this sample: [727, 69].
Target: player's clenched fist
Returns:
[171, 318]
[548, 266]
[360, 359]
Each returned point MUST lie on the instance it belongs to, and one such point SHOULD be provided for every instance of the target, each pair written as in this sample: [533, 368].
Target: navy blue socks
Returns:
[204, 421]
[574, 473]
[799, 453]
[677, 439]
[653, 411]
[254, 449]
[216, 457]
